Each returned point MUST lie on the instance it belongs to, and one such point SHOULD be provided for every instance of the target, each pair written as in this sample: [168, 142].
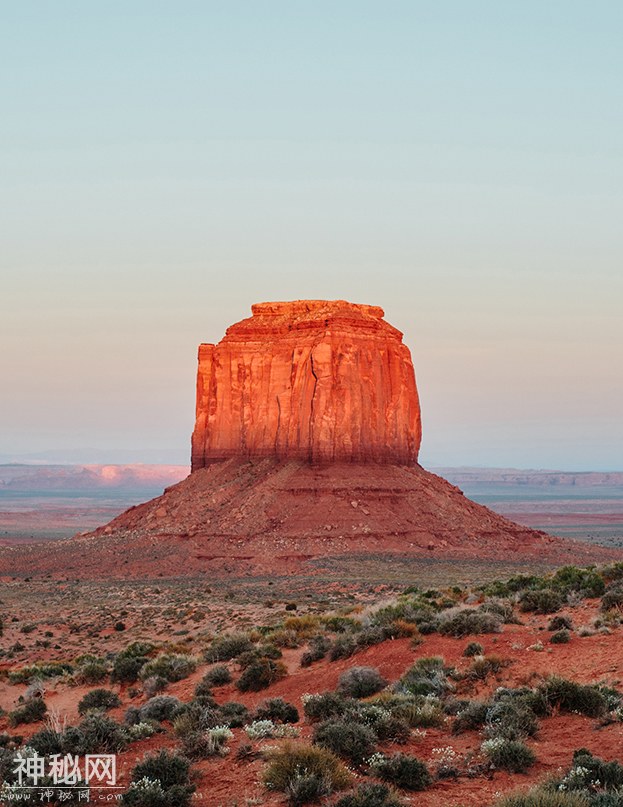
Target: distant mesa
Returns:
[324, 381]
[89, 477]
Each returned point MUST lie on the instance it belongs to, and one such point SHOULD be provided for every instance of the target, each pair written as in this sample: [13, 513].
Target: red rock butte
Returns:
[304, 455]
[319, 380]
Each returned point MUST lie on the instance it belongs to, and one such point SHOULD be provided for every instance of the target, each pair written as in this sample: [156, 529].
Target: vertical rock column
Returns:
[325, 381]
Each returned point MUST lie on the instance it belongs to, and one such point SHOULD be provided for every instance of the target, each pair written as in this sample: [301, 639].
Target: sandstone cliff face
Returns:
[323, 381]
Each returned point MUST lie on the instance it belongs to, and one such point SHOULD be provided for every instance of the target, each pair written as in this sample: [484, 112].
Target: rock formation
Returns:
[270, 517]
[304, 459]
[324, 381]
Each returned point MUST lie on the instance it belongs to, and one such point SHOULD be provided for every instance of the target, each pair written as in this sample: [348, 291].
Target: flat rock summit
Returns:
[305, 449]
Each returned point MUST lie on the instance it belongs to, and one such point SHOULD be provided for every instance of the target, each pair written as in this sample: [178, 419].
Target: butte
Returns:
[304, 453]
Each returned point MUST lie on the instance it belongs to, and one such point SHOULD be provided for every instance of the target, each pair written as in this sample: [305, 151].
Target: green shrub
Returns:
[536, 700]
[502, 608]
[373, 635]
[31, 711]
[206, 743]
[612, 572]
[305, 788]
[370, 795]
[351, 740]
[91, 670]
[228, 647]
[520, 582]
[560, 637]
[203, 690]
[393, 729]
[425, 628]
[324, 706]
[286, 637]
[591, 782]
[94, 735]
[129, 662]
[160, 780]
[132, 716]
[483, 666]
[171, 666]
[613, 598]
[318, 646]
[360, 682]
[466, 621]
[125, 669]
[343, 647]
[245, 660]
[420, 711]
[473, 649]
[217, 676]
[261, 674]
[98, 699]
[43, 670]
[543, 601]
[428, 676]
[270, 650]
[277, 710]
[138, 649]
[160, 707]
[608, 774]
[402, 770]
[471, 717]
[233, 714]
[341, 624]
[46, 742]
[415, 611]
[194, 717]
[141, 731]
[571, 697]
[290, 762]
[154, 685]
[560, 623]
[588, 582]
[511, 718]
[509, 755]
[533, 699]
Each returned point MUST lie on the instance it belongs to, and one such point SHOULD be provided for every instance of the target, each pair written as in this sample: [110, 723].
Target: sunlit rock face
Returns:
[324, 381]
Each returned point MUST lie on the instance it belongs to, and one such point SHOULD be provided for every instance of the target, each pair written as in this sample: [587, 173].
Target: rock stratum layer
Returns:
[323, 381]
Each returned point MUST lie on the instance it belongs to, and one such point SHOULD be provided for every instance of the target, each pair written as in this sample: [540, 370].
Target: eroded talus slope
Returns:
[266, 516]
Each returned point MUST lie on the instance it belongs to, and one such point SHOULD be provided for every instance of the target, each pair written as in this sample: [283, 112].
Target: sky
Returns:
[163, 165]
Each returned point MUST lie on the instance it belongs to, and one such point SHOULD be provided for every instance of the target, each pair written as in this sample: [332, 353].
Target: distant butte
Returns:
[324, 381]
[305, 451]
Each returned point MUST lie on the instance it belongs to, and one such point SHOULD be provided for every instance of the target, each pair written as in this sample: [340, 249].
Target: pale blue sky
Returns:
[166, 164]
